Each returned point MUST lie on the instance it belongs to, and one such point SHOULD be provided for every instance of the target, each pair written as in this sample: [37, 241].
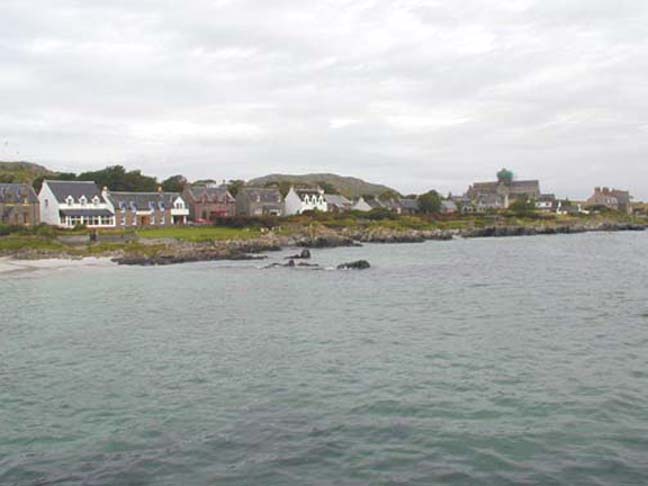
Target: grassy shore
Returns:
[200, 234]
[44, 241]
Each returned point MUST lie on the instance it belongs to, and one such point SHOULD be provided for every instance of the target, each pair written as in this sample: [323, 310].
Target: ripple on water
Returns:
[506, 361]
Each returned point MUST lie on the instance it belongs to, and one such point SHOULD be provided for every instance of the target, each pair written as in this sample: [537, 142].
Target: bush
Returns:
[247, 222]
[379, 214]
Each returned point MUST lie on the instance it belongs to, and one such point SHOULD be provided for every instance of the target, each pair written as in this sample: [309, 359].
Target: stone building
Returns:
[19, 205]
[614, 199]
[500, 194]
[207, 202]
[256, 202]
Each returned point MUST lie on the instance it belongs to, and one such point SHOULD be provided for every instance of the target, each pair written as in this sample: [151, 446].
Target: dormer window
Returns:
[95, 200]
[69, 200]
[83, 200]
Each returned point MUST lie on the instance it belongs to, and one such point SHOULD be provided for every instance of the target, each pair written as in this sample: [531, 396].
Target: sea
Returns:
[495, 361]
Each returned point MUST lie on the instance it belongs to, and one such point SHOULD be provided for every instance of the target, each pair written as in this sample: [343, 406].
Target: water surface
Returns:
[489, 361]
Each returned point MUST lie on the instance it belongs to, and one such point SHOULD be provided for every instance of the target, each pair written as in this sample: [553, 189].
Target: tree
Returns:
[116, 178]
[234, 186]
[430, 202]
[389, 196]
[174, 183]
[204, 182]
[522, 207]
[283, 186]
[327, 187]
[37, 183]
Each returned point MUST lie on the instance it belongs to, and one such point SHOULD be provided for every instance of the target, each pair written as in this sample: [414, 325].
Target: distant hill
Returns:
[349, 186]
[22, 171]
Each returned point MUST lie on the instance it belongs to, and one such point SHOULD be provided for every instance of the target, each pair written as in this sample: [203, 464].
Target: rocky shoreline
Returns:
[169, 252]
[327, 238]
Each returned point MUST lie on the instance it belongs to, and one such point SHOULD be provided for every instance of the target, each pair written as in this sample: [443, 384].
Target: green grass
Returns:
[17, 242]
[200, 234]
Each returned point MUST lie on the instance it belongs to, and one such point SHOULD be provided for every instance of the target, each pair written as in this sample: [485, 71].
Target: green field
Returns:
[200, 234]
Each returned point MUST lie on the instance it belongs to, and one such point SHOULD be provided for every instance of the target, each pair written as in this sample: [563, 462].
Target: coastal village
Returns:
[62, 216]
[72, 204]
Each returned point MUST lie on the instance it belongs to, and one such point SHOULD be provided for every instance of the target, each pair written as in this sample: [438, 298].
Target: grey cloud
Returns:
[412, 93]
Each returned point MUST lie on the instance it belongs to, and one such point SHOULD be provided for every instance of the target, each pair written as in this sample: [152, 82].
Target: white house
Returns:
[299, 200]
[70, 203]
[361, 205]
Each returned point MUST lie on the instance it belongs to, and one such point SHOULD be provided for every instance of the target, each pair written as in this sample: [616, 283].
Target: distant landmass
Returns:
[349, 186]
[22, 171]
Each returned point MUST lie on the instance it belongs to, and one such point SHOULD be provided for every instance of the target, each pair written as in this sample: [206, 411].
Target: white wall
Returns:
[361, 205]
[49, 208]
[292, 203]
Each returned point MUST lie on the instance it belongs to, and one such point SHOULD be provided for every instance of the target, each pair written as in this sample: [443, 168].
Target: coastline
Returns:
[11, 265]
[170, 251]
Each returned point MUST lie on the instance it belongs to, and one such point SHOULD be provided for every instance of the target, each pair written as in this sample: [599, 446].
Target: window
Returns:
[46, 203]
[95, 200]
[83, 200]
[69, 200]
[122, 220]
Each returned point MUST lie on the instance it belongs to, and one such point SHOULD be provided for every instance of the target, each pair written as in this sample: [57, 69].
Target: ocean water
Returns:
[486, 361]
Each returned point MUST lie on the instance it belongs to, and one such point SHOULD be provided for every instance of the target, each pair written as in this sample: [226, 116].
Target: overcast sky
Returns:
[416, 94]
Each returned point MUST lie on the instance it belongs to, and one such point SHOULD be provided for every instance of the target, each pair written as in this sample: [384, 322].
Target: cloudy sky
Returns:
[416, 94]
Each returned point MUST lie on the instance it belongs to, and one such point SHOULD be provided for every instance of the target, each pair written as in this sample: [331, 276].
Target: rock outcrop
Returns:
[357, 265]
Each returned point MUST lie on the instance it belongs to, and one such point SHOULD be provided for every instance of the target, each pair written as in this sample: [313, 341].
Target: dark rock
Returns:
[175, 258]
[357, 265]
[331, 241]
[290, 264]
[304, 255]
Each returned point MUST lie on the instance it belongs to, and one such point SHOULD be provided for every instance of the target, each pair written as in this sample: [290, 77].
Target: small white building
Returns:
[70, 203]
[361, 205]
[299, 200]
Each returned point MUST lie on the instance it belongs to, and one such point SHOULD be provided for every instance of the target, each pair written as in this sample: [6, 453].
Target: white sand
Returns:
[10, 265]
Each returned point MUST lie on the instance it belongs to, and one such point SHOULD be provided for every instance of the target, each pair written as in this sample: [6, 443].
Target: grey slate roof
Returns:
[337, 200]
[143, 201]
[302, 192]
[264, 194]
[86, 212]
[525, 187]
[410, 204]
[76, 189]
[212, 194]
[449, 205]
[17, 193]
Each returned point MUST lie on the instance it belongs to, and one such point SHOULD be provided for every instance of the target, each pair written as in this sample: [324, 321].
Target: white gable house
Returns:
[299, 200]
[361, 205]
[70, 203]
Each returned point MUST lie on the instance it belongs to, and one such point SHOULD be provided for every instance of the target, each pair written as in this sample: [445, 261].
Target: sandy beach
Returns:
[9, 265]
